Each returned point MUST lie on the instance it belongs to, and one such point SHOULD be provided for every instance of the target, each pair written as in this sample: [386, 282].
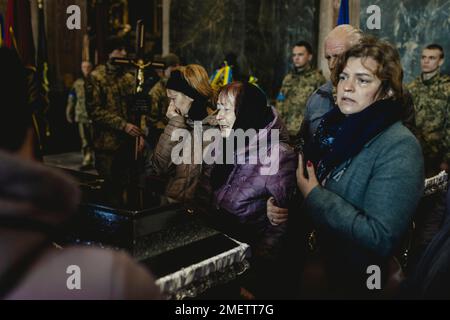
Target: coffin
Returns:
[186, 256]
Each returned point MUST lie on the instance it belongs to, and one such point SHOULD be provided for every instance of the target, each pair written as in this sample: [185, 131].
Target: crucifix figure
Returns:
[141, 104]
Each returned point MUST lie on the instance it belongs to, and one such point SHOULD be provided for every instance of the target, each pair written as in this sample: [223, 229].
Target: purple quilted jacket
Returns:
[246, 192]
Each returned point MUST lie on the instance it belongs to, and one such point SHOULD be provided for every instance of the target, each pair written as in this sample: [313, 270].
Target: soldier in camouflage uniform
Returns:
[159, 101]
[108, 90]
[76, 112]
[298, 86]
[431, 94]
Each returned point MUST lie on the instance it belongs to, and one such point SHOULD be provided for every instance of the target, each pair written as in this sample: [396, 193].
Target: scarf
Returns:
[340, 138]
[198, 110]
[252, 112]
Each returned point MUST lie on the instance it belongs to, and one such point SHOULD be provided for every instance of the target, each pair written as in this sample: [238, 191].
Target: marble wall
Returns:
[260, 32]
[411, 25]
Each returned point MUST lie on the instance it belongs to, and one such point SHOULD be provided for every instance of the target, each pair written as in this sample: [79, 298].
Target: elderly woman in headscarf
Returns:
[259, 166]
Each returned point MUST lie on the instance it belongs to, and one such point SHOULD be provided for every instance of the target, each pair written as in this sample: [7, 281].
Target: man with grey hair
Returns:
[337, 42]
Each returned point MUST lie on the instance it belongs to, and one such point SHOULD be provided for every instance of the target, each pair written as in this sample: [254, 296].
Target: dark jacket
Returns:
[431, 278]
[182, 178]
[31, 192]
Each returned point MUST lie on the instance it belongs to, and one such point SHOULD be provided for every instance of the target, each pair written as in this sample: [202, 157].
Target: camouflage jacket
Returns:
[77, 102]
[107, 95]
[159, 104]
[432, 103]
[296, 89]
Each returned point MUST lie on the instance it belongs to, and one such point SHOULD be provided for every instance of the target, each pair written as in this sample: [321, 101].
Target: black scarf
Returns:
[198, 110]
[340, 138]
[252, 112]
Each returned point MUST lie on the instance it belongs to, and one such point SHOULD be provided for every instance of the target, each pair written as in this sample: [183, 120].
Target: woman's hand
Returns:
[276, 215]
[306, 185]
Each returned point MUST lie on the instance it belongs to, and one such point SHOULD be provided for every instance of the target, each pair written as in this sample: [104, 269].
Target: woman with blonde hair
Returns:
[190, 96]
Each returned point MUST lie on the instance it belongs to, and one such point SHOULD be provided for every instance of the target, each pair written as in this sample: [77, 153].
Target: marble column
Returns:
[166, 27]
[355, 11]
[327, 23]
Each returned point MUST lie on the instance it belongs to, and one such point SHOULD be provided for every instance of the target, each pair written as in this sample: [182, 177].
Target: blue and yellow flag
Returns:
[222, 77]
[344, 13]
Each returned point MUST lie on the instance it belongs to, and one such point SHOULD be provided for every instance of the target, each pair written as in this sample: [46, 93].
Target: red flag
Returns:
[24, 33]
[19, 33]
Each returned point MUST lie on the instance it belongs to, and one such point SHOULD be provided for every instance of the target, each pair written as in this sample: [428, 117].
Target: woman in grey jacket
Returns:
[362, 173]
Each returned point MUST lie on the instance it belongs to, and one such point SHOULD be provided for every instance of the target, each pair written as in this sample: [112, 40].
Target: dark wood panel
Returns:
[64, 45]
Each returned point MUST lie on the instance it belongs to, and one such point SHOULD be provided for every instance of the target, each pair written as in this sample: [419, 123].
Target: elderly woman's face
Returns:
[226, 116]
[179, 102]
[358, 85]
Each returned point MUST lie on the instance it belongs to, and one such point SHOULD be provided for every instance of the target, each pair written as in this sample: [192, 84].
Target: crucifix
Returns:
[141, 104]
[134, 193]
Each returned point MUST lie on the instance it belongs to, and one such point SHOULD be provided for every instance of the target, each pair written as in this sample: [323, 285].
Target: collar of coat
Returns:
[302, 71]
[435, 79]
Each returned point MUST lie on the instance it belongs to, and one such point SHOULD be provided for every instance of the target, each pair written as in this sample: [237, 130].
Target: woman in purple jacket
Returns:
[241, 188]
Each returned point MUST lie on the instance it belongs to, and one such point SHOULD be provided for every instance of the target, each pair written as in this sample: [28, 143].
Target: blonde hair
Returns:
[198, 78]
